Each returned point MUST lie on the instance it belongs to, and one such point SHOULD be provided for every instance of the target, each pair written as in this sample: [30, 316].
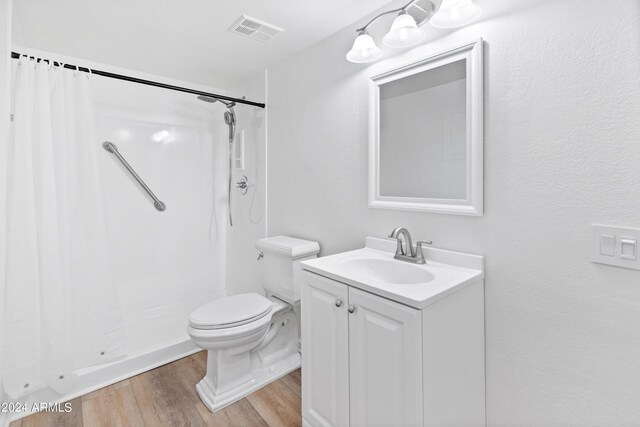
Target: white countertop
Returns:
[451, 272]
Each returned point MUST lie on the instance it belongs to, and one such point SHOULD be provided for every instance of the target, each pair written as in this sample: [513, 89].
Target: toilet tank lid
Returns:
[288, 246]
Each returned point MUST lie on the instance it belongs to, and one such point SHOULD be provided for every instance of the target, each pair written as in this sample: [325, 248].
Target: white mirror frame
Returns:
[473, 204]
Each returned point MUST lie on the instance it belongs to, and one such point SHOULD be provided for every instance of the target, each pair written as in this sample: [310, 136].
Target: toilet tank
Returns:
[280, 267]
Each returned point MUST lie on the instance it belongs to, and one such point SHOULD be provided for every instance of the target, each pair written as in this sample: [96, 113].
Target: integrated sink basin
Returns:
[374, 269]
[388, 270]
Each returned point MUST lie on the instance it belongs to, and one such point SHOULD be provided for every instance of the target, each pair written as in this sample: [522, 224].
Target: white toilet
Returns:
[253, 340]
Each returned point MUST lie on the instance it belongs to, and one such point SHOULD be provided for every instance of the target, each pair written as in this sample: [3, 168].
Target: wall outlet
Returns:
[615, 246]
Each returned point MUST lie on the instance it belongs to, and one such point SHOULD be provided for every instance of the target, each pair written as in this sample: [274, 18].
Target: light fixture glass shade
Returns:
[455, 13]
[404, 32]
[364, 49]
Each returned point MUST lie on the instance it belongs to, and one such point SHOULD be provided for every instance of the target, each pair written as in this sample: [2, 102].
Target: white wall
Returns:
[5, 51]
[562, 101]
[249, 211]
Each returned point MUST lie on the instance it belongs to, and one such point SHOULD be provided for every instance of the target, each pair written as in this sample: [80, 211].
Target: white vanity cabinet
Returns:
[325, 348]
[360, 368]
[385, 362]
[369, 361]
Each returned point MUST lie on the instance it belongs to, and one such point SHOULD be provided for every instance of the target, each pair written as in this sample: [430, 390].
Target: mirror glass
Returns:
[423, 134]
[426, 134]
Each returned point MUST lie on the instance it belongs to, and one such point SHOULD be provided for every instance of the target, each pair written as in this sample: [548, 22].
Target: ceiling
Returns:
[187, 40]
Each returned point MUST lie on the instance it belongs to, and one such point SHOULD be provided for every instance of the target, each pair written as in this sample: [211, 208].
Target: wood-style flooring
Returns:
[166, 396]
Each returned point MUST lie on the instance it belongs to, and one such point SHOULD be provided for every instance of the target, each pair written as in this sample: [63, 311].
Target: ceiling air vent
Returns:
[254, 28]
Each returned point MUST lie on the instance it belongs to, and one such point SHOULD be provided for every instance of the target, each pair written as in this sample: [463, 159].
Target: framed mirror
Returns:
[426, 134]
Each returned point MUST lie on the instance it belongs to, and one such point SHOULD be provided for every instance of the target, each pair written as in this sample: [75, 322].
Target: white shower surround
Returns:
[165, 264]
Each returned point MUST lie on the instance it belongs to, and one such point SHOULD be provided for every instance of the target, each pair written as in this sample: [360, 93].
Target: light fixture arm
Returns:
[400, 9]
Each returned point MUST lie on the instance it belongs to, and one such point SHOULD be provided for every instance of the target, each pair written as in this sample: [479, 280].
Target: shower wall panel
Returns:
[164, 263]
[249, 210]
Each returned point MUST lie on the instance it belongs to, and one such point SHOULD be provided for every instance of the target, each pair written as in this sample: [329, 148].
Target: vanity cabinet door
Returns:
[325, 351]
[385, 361]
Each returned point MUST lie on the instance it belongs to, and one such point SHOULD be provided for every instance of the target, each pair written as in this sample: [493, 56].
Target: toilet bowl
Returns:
[252, 340]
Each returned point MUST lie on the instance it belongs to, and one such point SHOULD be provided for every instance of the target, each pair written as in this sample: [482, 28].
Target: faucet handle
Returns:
[419, 255]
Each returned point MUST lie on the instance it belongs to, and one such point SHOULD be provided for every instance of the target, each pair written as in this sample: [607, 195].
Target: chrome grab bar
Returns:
[111, 148]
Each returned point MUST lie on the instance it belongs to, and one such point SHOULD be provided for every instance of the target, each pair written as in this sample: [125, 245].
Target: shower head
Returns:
[230, 120]
[211, 100]
[229, 115]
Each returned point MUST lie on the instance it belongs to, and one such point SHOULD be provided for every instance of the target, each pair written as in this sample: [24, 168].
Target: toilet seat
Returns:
[231, 335]
[231, 311]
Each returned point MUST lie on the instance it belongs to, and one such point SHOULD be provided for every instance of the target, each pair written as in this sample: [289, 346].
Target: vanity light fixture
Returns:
[405, 31]
[364, 49]
[456, 13]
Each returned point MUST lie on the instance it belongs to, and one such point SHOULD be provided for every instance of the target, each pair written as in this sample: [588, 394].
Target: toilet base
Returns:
[259, 378]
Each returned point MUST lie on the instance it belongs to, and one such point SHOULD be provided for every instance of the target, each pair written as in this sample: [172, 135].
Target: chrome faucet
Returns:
[407, 253]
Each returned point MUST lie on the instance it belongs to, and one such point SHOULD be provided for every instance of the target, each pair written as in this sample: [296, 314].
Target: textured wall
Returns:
[562, 101]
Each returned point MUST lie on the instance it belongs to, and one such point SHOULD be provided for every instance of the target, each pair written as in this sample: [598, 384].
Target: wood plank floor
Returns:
[166, 396]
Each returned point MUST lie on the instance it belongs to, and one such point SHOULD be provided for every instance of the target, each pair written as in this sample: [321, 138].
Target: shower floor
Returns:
[166, 396]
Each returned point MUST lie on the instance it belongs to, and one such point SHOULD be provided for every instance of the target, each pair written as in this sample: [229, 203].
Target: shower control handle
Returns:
[243, 184]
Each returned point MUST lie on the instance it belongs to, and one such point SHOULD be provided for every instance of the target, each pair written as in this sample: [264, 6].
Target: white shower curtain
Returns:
[61, 307]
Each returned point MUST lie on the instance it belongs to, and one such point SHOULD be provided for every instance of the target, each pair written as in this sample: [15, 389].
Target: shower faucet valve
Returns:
[243, 184]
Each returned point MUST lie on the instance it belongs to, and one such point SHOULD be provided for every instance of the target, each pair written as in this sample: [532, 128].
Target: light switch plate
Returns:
[608, 244]
[615, 246]
[628, 247]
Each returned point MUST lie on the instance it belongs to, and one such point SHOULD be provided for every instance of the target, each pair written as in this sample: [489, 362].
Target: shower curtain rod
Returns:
[16, 55]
